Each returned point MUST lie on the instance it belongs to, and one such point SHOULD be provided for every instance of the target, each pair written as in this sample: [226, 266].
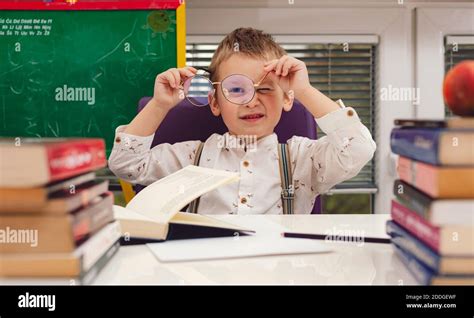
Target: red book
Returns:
[446, 240]
[32, 162]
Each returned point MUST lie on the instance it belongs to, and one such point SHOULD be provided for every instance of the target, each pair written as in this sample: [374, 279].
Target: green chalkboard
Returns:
[79, 73]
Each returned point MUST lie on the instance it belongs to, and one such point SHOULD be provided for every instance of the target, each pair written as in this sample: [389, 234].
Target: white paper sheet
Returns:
[233, 247]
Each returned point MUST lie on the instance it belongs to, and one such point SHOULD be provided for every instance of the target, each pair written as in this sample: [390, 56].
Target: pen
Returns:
[324, 236]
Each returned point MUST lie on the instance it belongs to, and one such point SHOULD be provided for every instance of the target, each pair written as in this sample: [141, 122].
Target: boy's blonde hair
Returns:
[248, 41]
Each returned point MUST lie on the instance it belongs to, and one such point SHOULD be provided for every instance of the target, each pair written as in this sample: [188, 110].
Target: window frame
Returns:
[432, 26]
[365, 188]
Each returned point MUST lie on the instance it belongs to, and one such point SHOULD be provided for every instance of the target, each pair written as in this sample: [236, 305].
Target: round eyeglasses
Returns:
[236, 88]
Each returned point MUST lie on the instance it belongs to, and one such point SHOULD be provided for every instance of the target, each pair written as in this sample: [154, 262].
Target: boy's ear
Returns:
[212, 98]
[288, 99]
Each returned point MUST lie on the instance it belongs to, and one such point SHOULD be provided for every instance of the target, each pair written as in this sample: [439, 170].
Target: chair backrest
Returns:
[188, 122]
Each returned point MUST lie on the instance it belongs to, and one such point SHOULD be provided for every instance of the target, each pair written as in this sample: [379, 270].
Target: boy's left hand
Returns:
[290, 74]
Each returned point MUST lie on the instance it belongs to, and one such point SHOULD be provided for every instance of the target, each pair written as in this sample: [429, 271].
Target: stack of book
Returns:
[56, 218]
[432, 226]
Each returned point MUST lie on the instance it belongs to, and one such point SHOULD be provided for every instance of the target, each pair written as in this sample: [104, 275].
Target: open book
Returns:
[153, 214]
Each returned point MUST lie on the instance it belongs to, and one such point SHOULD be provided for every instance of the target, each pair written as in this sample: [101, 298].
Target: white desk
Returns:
[349, 263]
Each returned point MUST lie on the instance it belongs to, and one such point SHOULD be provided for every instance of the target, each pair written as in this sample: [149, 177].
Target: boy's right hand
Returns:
[167, 92]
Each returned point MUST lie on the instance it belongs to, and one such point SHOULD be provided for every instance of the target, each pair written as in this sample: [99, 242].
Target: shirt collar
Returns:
[248, 142]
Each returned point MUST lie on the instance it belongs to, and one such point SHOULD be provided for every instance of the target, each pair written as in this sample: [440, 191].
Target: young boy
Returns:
[317, 165]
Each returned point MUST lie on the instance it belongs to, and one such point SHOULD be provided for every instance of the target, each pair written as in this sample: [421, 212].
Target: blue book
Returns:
[436, 146]
[426, 276]
[456, 265]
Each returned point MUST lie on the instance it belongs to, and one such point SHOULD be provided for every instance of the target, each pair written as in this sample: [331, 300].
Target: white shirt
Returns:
[318, 165]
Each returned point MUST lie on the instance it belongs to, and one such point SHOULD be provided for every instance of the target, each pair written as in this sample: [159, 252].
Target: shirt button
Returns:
[243, 200]
[117, 139]
[246, 163]
[350, 112]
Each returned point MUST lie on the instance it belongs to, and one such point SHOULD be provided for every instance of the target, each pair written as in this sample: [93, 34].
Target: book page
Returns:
[162, 199]
[121, 213]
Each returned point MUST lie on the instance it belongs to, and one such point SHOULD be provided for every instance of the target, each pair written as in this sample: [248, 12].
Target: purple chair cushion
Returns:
[200, 123]
[188, 122]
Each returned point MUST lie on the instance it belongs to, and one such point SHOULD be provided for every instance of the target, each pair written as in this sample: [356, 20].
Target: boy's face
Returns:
[267, 104]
